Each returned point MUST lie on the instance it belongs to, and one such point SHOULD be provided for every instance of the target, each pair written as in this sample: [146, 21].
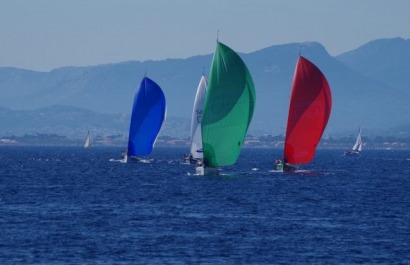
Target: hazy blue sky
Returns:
[46, 34]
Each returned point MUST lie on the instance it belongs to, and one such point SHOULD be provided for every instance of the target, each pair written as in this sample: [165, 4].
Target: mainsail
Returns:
[196, 135]
[148, 115]
[228, 108]
[309, 111]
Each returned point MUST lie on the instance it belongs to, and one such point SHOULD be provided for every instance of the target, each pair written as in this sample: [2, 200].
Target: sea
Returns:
[69, 205]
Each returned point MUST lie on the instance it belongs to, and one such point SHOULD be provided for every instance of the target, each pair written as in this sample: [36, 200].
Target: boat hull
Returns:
[352, 153]
[207, 171]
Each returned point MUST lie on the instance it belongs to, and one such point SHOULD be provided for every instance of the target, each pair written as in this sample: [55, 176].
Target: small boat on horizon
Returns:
[357, 147]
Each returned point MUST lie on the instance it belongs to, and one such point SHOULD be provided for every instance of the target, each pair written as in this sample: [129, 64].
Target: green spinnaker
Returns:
[228, 108]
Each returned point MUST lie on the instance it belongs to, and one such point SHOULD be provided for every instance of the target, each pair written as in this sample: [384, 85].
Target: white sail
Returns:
[196, 137]
[358, 144]
[87, 140]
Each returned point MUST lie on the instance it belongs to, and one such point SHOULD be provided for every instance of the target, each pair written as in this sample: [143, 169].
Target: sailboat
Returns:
[148, 115]
[87, 142]
[196, 152]
[357, 147]
[227, 112]
[309, 111]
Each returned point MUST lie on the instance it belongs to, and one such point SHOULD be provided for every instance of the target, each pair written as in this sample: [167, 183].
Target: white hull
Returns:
[287, 168]
[139, 160]
[124, 159]
[200, 171]
[206, 171]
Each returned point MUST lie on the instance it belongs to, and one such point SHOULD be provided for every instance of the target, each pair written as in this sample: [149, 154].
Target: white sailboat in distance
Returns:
[87, 142]
[357, 147]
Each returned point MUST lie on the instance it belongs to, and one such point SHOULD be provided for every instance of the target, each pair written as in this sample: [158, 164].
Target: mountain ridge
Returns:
[359, 96]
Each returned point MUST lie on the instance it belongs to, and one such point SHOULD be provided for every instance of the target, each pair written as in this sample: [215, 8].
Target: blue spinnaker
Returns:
[148, 114]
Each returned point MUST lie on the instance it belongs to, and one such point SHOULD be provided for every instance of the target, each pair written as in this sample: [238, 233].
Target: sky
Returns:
[43, 35]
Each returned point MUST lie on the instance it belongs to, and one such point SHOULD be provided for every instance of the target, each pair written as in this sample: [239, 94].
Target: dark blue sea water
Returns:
[74, 206]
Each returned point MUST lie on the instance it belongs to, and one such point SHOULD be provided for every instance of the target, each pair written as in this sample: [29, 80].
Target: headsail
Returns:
[196, 135]
[148, 114]
[228, 108]
[309, 111]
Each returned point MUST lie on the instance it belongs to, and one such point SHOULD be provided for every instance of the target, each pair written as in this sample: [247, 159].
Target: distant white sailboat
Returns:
[87, 140]
[357, 147]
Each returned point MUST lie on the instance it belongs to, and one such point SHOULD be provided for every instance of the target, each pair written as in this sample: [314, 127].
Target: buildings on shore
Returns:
[266, 141]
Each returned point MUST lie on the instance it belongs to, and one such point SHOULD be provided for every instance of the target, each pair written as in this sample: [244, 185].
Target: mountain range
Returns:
[369, 88]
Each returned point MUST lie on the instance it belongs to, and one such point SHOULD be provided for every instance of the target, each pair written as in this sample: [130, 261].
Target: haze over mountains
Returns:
[369, 88]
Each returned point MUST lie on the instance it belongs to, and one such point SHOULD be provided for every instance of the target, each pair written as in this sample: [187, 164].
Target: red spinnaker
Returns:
[309, 111]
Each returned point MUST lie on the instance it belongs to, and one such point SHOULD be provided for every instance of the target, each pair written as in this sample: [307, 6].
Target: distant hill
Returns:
[384, 60]
[361, 96]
